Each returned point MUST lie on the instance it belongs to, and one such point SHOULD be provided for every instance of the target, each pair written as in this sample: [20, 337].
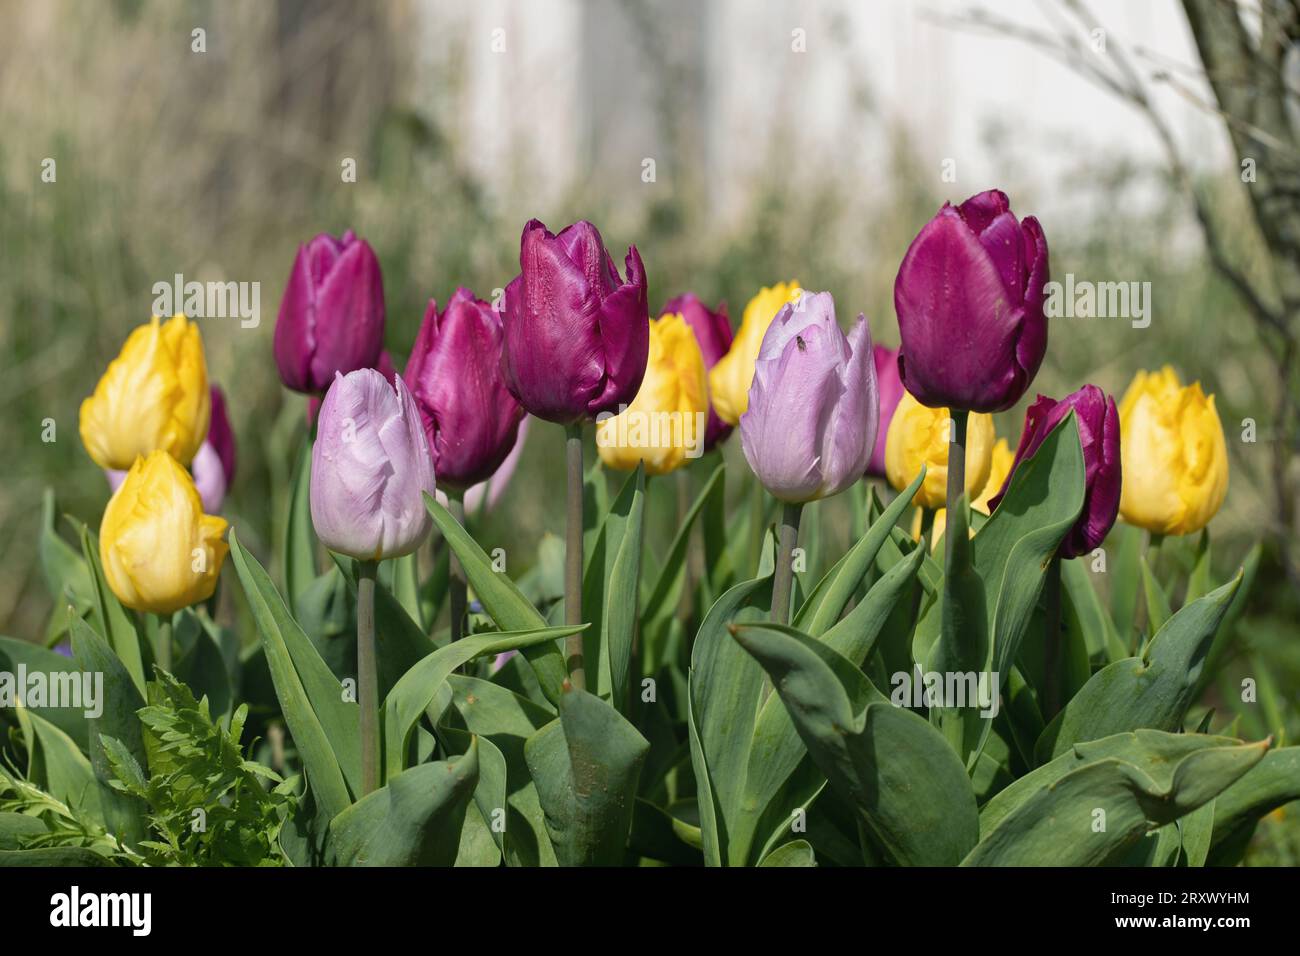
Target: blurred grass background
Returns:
[218, 166]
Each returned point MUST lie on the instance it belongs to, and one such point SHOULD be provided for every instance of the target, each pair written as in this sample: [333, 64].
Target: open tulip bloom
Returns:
[983, 703]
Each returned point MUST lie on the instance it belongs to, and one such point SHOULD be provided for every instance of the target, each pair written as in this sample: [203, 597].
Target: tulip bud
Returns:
[730, 378]
[1099, 433]
[813, 407]
[454, 374]
[713, 333]
[891, 390]
[160, 552]
[1174, 454]
[370, 466]
[154, 396]
[576, 335]
[666, 421]
[332, 315]
[969, 298]
[919, 435]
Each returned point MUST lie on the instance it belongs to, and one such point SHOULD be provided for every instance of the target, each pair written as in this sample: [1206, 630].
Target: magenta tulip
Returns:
[891, 393]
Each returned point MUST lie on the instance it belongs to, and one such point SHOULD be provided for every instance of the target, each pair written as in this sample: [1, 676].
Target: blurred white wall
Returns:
[573, 95]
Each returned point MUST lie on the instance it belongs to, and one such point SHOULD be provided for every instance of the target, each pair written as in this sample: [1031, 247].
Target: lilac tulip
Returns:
[969, 298]
[891, 393]
[384, 367]
[332, 315]
[813, 405]
[1098, 423]
[712, 330]
[454, 374]
[370, 467]
[576, 335]
[213, 466]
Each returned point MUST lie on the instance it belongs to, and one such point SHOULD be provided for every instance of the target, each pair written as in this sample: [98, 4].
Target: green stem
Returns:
[927, 527]
[756, 528]
[956, 476]
[1052, 648]
[573, 555]
[783, 577]
[456, 586]
[367, 676]
[165, 642]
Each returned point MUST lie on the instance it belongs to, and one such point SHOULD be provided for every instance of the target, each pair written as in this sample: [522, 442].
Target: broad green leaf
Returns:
[406, 587]
[67, 577]
[1061, 824]
[115, 624]
[795, 853]
[415, 819]
[1157, 601]
[1125, 577]
[418, 687]
[319, 736]
[1084, 612]
[586, 766]
[300, 535]
[57, 766]
[483, 838]
[908, 786]
[502, 601]
[1273, 783]
[53, 856]
[1152, 691]
[612, 589]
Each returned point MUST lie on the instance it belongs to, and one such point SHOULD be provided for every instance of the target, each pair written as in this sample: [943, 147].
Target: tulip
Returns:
[154, 396]
[221, 436]
[665, 424]
[1099, 433]
[384, 367]
[332, 315]
[485, 496]
[454, 374]
[1174, 456]
[999, 468]
[160, 552]
[813, 408]
[370, 466]
[713, 333]
[969, 298]
[730, 378]
[891, 391]
[919, 435]
[576, 335]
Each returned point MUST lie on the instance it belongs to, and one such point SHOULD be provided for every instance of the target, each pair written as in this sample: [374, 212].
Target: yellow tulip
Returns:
[666, 421]
[919, 436]
[999, 467]
[1172, 454]
[159, 550]
[154, 395]
[730, 378]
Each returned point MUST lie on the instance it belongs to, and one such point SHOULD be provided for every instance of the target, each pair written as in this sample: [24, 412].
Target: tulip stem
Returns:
[956, 476]
[367, 676]
[456, 586]
[573, 555]
[1052, 647]
[165, 642]
[783, 575]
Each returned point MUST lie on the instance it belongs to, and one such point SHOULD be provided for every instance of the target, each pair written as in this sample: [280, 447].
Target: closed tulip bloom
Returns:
[1099, 433]
[919, 435]
[891, 391]
[813, 407]
[160, 552]
[1174, 455]
[576, 335]
[665, 424]
[332, 315]
[730, 378]
[154, 396]
[712, 330]
[384, 367]
[454, 374]
[370, 467]
[969, 298]
[999, 468]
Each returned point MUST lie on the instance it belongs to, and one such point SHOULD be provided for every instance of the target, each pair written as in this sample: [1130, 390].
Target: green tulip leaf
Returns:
[666, 593]
[1272, 783]
[300, 533]
[795, 853]
[611, 590]
[67, 576]
[112, 620]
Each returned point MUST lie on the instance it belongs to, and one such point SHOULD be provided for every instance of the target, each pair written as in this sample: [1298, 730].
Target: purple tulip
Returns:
[454, 374]
[1099, 434]
[576, 335]
[969, 298]
[813, 404]
[713, 333]
[370, 467]
[213, 466]
[891, 393]
[332, 314]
